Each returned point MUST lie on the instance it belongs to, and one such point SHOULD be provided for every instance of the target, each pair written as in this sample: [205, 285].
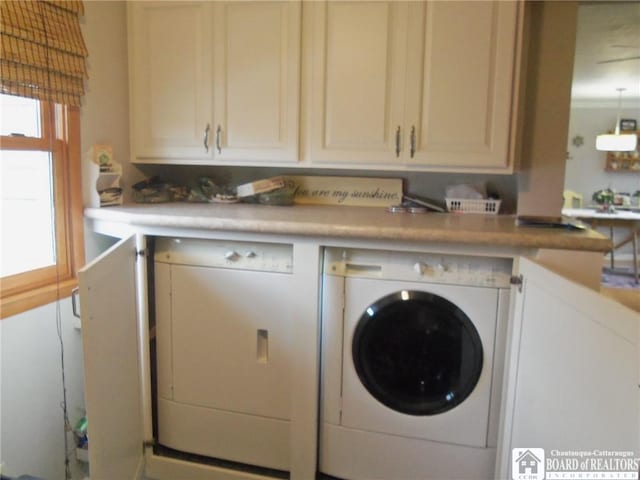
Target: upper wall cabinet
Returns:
[461, 110]
[358, 58]
[214, 82]
[170, 79]
[424, 85]
[256, 80]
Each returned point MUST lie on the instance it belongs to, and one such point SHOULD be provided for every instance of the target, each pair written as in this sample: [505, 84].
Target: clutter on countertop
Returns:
[260, 186]
[414, 204]
[609, 200]
[466, 198]
[216, 193]
[603, 197]
[283, 190]
[471, 192]
[281, 196]
[488, 206]
[152, 190]
[563, 222]
[319, 190]
[105, 173]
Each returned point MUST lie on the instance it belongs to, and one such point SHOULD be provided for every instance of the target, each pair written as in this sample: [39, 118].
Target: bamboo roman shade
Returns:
[42, 52]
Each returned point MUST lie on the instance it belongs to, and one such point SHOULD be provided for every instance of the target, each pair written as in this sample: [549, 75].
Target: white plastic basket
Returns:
[466, 205]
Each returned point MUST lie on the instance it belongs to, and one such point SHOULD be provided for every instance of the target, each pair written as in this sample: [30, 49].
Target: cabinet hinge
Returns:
[148, 444]
[140, 253]
[517, 280]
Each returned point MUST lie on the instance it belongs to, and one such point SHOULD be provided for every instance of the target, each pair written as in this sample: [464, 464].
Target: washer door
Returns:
[417, 353]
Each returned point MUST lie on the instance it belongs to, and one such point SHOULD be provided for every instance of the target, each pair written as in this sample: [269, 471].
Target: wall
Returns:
[31, 414]
[31, 421]
[104, 117]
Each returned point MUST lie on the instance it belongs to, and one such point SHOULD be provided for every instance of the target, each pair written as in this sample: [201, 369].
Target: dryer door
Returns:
[417, 353]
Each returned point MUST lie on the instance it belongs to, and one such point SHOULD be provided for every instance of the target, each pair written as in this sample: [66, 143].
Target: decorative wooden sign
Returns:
[351, 191]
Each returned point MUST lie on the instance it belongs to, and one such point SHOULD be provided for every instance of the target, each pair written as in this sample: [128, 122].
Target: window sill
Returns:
[21, 302]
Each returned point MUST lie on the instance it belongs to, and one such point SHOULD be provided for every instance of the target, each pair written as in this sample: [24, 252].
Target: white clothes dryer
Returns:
[224, 350]
[412, 360]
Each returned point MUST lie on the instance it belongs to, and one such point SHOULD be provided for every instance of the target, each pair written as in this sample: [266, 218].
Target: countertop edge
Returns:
[366, 223]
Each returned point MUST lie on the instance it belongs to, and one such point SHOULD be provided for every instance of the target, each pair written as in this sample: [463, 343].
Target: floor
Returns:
[627, 296]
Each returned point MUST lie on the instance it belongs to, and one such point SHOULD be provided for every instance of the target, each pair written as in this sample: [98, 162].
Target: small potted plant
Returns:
[605, 199]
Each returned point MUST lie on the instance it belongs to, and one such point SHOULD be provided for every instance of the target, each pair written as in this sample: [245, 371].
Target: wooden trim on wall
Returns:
[74, 157]
[37, 297]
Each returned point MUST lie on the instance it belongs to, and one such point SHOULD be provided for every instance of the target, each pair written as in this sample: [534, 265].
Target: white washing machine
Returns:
[224, 356]
[412, 360]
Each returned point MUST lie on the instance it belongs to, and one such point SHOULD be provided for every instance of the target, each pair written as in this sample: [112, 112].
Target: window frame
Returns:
[60, 135]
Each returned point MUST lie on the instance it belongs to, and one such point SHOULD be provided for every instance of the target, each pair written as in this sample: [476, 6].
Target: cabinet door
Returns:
[170, 72]
[356, 91]
[459, 83]
[256, 66]
[572, 370]
[111, 363]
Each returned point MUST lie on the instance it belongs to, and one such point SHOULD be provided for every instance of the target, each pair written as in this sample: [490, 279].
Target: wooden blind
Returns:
[42, 52]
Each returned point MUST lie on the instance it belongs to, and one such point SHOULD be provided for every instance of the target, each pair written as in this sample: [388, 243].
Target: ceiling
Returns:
[607, 31]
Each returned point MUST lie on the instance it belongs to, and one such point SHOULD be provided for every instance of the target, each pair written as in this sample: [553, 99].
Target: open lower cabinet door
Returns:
[571, 379]
[112, 371]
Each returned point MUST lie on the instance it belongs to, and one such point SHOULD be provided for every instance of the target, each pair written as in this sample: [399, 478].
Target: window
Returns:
[41, 243]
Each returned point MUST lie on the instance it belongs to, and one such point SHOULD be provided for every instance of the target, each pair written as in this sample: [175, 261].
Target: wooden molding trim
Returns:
[76, 214]
[21, 302]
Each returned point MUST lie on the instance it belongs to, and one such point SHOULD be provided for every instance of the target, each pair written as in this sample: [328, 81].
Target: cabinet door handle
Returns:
[262, 351]
[74, 304]
[398, 142]
[412, 140]
[218, 134]
[206, 138]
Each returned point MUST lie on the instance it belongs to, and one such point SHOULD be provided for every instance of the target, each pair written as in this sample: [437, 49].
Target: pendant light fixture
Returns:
[616, 142]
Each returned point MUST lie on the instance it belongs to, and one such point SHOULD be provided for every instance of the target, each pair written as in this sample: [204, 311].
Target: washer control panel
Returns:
[257, 256]
[419, 267]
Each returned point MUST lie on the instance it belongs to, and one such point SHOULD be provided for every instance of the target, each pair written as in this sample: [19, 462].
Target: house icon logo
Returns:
[527, 464]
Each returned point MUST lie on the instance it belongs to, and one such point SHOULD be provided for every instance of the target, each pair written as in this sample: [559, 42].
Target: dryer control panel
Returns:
[419, 267]
[257, 256]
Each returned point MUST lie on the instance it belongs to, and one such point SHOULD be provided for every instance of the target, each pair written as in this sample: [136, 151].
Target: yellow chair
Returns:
[571, 199]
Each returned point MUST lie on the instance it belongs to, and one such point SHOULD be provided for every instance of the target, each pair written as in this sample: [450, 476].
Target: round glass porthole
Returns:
[417, 353]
